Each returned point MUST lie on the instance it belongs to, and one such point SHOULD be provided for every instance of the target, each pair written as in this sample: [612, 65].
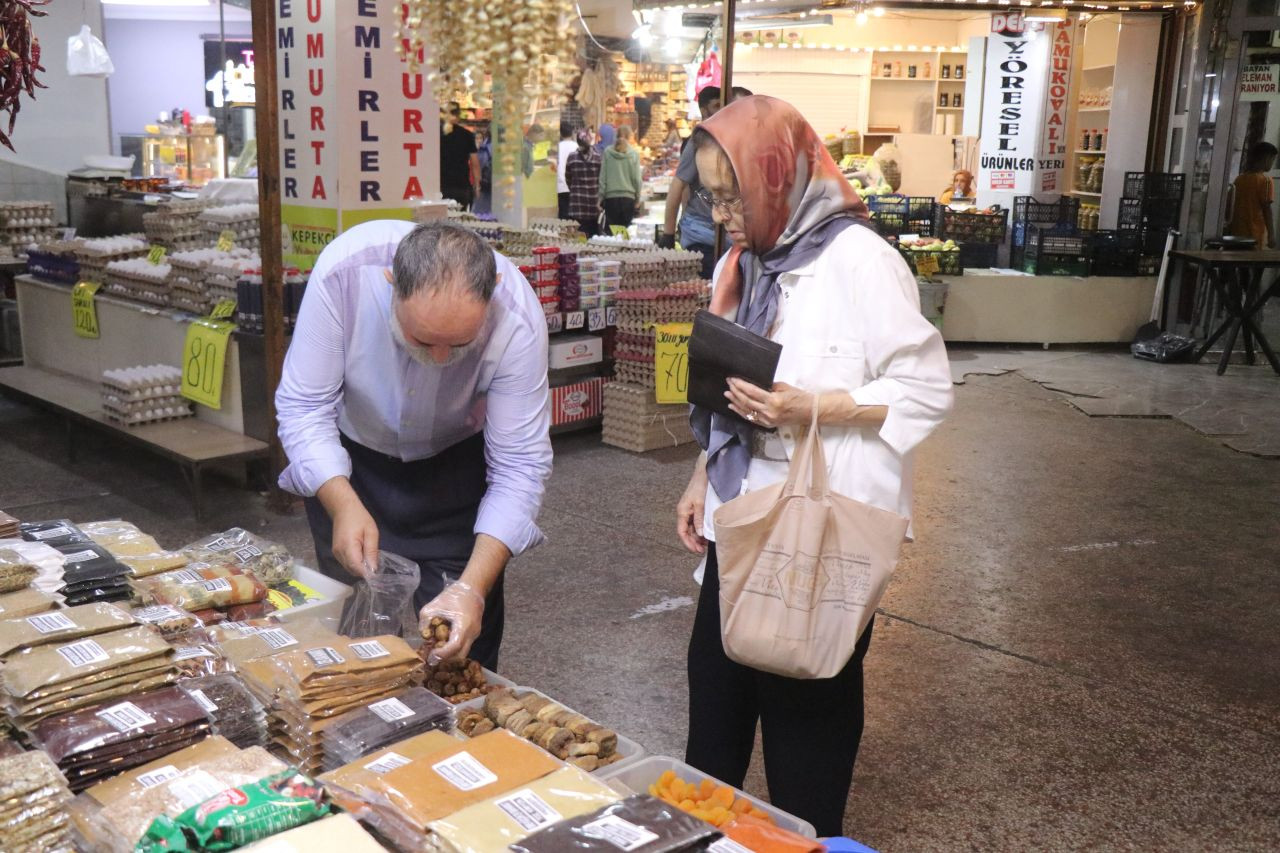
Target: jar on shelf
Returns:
[943, 100]
[946, 72]
[911, 71]
[959, 72]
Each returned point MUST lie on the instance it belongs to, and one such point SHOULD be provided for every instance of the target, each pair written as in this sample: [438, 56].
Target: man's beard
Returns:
[422, 354]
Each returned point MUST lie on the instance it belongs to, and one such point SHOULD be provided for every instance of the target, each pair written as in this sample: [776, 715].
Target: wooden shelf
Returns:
[1083, 192]
[1094, 110]
[906, 79]
[1091, 151]
[1110, 67]
[949, 109]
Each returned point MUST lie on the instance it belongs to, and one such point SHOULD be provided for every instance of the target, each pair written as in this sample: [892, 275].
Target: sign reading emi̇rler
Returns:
[1024, 144]
[359, 134]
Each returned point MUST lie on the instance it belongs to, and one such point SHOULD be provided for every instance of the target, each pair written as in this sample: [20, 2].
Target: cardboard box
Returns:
[574, 351]
[579, 401]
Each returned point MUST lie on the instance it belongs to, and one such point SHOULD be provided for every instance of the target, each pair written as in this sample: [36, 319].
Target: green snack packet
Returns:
[239, 816]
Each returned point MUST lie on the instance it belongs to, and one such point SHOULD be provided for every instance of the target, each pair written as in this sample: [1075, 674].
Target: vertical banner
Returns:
[1013, 109]
[359, 133]
[1054, 145]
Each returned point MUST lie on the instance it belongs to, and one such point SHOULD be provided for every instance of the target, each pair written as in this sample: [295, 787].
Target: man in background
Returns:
[459, 160]
[532, 137]
[567, 146]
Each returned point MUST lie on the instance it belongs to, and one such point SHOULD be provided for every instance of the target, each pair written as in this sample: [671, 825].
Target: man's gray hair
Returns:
[438, 255]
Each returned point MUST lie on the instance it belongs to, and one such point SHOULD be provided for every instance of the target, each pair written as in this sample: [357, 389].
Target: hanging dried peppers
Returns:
[19, 58]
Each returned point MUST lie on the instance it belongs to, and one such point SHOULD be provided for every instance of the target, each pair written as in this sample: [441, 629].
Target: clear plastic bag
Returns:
[87, 56]
[383, 603]
[270, 561]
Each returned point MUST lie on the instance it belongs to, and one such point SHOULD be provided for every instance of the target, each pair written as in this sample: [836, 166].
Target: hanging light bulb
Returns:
[878, 11]
[643, 35]
[860, 19]
[672, 46]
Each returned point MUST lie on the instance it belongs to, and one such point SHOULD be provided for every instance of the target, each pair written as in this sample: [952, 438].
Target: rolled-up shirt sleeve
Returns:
[905, 356]
[310, 387]
[517, 443]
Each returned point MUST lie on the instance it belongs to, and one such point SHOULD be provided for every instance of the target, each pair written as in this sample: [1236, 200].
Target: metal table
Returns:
[1235, 277]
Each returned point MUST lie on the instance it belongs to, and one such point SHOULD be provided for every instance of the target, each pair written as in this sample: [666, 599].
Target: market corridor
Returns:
[1079, 652]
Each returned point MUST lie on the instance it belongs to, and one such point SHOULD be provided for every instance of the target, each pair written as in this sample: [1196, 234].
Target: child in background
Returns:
[1251, 214]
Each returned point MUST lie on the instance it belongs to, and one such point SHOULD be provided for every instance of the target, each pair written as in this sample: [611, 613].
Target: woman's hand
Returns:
[690, 510]
[785, 405]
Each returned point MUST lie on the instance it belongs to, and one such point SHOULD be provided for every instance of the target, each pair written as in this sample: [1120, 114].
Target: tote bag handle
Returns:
[809, 463]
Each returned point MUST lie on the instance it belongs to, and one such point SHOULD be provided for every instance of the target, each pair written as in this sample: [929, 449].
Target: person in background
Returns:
[532, 137]
[1251, 213]
[582, 171]
[620, 180]
[484, 153]
[961, 187]
[414, 411]
[567, 146]
[459, 160]
[806, 271]
[605, 137]
[697, 233]
[673, 134]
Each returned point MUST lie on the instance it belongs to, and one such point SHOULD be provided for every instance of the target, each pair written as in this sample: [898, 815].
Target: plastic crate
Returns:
[1113, 252]
[1153, 185]
[636, 779]
[1027, 212]
[1046, 264]
[970, 227]
[1062, 240]
[948, 262]
[52, 267]
[979, 255]
[1137, 214]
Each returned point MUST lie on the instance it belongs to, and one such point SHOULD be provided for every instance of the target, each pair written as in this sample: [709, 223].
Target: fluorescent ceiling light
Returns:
[155, 2]
[643, 35]
[784, 23]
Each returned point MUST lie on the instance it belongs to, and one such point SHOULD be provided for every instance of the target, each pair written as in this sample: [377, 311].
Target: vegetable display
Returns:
[19, 58]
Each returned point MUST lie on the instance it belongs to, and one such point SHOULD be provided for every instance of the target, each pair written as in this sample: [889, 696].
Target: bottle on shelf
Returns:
[943, 100]
[887, 70]
[1095, 175]
[946, 72]
[911, 71]
[928, 70]
[1085, 139]
[959, 72]
[1097, 140]
[955, 99]
[897, 68]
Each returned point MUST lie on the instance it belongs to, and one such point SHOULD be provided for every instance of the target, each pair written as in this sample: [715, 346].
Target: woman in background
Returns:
[620, 180]
[961, 187]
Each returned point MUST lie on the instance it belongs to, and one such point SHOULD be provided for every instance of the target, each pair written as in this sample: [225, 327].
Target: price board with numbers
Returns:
[156, 254]
[671, 361]
[226, 240]
[611, 316]
[926, 264]
[575, 319]
[84, 309]
[555, 323]
[619, 231]
[204, 360]
[223, 310]
[595, 319]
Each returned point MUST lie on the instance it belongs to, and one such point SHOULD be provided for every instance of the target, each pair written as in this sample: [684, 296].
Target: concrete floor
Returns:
[1079, 652]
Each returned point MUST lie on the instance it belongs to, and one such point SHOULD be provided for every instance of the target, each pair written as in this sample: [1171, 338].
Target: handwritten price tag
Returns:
[84, 309]
[204, 358]
[619, 231]
[223, 310]
[926, 264]
[575, 319]
[156, 255]
[226, 240]
[671, 361]
[595, 319]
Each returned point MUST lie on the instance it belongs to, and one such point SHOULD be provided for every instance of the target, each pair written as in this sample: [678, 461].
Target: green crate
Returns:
[1056, 265]
[948, 262]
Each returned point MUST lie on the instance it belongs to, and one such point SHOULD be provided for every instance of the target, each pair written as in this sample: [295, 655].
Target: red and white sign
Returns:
[1051, 161]
[1259, 82]
[577, 402]
[1003, 180]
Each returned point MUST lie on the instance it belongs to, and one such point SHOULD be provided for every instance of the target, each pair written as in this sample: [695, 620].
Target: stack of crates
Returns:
[894, 215]
[1113, 252]
[1029, 213]
[1151, 205]
[1056, 250]
[979, 235]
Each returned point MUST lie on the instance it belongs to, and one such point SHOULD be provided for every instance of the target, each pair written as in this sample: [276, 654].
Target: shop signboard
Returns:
[359, 132]
[1013, 115]
[1260, 82]
[1052, 160]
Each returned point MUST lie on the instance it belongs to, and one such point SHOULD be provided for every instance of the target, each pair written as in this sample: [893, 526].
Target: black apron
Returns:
[426, 512]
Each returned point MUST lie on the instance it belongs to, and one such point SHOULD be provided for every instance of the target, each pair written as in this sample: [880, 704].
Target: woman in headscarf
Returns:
[807, 272]
[605, 137]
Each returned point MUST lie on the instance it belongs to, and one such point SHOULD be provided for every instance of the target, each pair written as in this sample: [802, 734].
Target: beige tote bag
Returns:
[802, 569]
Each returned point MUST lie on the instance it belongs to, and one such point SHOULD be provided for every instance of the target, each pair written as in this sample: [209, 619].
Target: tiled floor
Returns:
[1079, 651]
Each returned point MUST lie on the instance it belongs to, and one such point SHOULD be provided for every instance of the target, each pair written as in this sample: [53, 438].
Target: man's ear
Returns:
[387, 275]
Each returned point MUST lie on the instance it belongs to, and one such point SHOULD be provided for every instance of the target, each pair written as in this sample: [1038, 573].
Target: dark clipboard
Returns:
[719, 349]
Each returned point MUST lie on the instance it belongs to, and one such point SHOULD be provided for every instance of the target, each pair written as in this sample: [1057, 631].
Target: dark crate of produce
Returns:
[1056, 265]
[948, 262]
[888, 214]
[1155, 185]
[1027, 212]
[64, 269]
[979, 255]
[1136, 214]
[971, 227]
[1113, 253]
[1058, 240]
[922, 215]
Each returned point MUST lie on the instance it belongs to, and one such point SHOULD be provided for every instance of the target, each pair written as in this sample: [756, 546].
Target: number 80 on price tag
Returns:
[204, 359]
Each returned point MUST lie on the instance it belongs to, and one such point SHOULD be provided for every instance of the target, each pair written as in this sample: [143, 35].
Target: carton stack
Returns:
[242, 219]
[655, 287]
[139, 395]
[139, 280]
[176, 225]
[94, 255]
[23, 223]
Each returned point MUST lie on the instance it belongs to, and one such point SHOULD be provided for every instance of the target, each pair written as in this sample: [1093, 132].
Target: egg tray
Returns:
[142, 420]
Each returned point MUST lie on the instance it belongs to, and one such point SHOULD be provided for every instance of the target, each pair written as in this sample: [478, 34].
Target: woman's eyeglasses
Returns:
[726, 206]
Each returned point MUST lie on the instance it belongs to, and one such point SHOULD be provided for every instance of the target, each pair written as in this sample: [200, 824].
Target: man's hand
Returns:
[667, 241]
[355, 533]
[463, 608]
[785, 405]
[690, 509]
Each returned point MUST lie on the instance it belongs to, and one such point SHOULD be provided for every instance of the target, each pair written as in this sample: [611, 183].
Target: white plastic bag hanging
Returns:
[87, 56]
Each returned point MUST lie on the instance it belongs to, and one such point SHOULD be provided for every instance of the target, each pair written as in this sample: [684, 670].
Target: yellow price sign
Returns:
[204, 358]
[619, 231]
[156, 254]
[226, 240]
[926, 264]
[84, 309]
[223, 310]
[671, 361]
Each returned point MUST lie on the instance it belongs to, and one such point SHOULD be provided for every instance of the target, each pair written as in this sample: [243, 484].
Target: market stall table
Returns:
[1235, 278]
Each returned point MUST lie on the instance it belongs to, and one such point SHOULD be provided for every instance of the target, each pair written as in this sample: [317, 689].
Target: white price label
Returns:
[216, 585]
[48, 623]
[158, 776]
[595, 319]
[51, 533]
[218, 545]
[243, 628]
[611, 316]
[387, 763]
[189, 652]
[81, 556]
[194, 787]
[618, 832]
[575, 319]
[277, 638]
[391, 710]
[125, 716]
[464, 772]
[326, 656]
[203, 701]
[727, 845]
[83, 653]
[159, 613]
[555, 323]
[369, 649]
[528, 810]
[247, 553]
[183, 576]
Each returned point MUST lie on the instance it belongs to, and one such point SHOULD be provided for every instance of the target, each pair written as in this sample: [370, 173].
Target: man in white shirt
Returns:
[568, 145]
[415, 413]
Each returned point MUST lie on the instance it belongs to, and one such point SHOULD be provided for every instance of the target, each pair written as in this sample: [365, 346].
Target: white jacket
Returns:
[851, 321]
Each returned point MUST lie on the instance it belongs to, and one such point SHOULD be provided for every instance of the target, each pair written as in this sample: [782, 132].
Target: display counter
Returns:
[992, 308]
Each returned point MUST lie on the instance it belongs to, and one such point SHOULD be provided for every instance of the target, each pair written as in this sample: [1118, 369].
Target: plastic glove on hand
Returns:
[463, 608]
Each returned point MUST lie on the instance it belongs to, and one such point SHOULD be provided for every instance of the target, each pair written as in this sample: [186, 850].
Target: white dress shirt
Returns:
[850, 321]
[567, 147]
[344, 372]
